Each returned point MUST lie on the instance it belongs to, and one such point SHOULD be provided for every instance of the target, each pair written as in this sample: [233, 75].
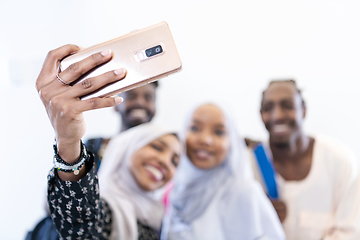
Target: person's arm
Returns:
[73, 198]
[76, 208]
[62, 99]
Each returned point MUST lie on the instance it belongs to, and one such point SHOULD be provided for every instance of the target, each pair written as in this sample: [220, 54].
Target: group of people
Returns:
[202, 182]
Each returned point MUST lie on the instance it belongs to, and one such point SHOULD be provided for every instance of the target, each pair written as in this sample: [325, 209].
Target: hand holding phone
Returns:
[62, 102]
[147, 54]
[87, 77]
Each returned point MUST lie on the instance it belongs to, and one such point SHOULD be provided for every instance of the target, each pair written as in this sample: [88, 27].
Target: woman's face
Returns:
[207, 138]
[154, 164]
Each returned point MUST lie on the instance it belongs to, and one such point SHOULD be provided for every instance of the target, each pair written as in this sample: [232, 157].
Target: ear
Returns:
[304, 110]
[261, 114]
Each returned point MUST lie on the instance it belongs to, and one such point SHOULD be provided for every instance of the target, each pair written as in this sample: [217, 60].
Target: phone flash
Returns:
[140, 56]
[148, 53]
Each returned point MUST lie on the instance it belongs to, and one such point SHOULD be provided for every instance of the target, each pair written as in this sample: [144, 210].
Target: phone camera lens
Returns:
[153, 51]
[148, 53]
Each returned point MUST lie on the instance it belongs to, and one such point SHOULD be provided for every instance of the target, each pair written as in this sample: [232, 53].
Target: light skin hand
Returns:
[63, 104]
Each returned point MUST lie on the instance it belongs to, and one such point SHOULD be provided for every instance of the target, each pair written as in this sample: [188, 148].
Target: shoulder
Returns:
[92, 140]
[335, 157]
[93, 144]
[334, 150]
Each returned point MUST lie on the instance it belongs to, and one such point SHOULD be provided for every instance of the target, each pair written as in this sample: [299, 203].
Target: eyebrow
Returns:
[217, 125]
[196, 121]
[166, 145]
[163, 143]
[281, 100]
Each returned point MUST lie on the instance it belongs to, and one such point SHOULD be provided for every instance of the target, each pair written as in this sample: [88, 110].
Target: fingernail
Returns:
[106, 53]
[119, 71]
[118, 100]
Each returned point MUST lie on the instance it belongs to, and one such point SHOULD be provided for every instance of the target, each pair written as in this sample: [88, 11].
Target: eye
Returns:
[288, 105]
[175, 161]
[157, 147]
[267, 107]
[220, 132]
[130, 96]
[149, 98]
[194, 128]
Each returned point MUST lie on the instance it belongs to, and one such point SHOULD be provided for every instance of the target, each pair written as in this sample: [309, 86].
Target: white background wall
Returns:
[230, 50]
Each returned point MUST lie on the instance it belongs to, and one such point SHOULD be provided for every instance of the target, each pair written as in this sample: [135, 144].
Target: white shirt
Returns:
[326, 204]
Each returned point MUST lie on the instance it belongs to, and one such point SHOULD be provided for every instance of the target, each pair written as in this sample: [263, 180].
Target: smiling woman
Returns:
[154, 164]
[138, 164]
[134, 170]
[132, 178]
[215, 195]
[207, 138]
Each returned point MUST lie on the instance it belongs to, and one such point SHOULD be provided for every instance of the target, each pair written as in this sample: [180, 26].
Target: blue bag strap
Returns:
[267, 171]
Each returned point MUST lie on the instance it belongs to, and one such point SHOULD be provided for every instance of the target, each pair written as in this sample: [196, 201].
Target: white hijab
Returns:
[241, 206]
[128, 202]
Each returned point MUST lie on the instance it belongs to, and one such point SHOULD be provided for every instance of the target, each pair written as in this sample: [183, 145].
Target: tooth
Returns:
[157, 173]
[139, 113]
[280, 128]
[203, 153]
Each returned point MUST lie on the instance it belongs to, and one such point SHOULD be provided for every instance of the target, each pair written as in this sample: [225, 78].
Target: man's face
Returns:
[138, 106]
[282, 112]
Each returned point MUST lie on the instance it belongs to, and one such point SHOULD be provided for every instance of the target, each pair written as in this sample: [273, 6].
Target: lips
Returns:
[202, 154]
[155, 172]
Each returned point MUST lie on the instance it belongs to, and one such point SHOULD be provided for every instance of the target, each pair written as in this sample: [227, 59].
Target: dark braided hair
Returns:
[291, 81]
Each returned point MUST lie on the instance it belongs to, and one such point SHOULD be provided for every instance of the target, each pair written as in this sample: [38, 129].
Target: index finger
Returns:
[49, 68]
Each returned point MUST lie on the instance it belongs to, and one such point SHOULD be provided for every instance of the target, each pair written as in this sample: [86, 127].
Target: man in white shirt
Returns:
[316, 177]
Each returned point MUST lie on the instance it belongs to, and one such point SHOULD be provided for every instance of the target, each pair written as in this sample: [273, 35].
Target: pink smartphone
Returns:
[147, 54]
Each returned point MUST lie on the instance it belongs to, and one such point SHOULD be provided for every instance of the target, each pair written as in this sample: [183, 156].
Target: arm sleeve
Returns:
[76, 208]
[347, 213]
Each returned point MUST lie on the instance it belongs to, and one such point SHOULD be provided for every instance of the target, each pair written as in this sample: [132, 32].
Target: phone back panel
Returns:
[126, 51]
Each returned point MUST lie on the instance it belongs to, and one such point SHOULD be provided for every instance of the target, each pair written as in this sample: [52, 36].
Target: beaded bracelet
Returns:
[63, 166]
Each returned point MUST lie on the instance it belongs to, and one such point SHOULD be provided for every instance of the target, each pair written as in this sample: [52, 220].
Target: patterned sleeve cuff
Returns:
[84, 183]
[74, 205]
[86, 187]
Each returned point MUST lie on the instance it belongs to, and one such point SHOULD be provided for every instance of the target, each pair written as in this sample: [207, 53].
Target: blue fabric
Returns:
[44, 230]
[267, 170]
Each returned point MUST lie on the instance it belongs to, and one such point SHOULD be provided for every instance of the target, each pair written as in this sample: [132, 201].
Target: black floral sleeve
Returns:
[76, 207]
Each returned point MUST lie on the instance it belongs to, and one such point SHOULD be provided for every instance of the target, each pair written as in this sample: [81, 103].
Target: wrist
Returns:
[68, 151]
[65, 166]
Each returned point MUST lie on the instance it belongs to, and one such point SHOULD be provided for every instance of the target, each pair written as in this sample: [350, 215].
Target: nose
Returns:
[140, 101]
[206, 138]
[164, 160]
[277, 113]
